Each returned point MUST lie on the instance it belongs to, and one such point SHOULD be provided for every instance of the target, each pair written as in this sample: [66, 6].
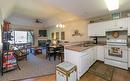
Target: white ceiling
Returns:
[61, 10]
[87, 8]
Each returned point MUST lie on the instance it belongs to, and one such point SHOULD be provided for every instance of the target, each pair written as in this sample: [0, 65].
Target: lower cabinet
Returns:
[85, 63]
[83, 60]
[100, 53]
[129, 57]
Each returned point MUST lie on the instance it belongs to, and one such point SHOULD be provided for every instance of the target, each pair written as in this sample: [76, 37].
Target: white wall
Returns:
[81, 25]
[1, 22]
[6, 7]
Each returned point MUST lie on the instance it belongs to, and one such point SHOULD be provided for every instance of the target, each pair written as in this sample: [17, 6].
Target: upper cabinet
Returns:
[97, 29]
[100, 28]
[128, 26]
[118, 24]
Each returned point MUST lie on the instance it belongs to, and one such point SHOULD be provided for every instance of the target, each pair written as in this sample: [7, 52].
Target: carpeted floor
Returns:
[113, 73]
[34, 66]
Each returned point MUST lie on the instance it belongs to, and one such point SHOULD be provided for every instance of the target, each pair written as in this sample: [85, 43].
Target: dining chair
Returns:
[60, 53]
[49, 52]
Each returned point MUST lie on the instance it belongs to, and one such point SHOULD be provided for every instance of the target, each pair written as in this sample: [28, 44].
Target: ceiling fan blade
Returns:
[38, 21]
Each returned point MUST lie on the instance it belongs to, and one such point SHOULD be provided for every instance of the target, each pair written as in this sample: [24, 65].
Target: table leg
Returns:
[54, 54]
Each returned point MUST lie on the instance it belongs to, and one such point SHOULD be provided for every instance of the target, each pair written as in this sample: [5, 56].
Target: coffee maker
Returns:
[95, 40]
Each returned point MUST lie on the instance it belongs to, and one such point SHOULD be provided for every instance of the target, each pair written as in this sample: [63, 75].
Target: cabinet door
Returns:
[85, 63]
[91, 29]
[128, 26]
[91, 55]
[94, 51]
[111, 24]
[129, 57]
[97, 29]
[118, 24]
[100, 53]
[122, 23]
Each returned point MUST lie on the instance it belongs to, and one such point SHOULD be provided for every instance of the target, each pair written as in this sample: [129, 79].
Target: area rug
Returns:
[34, 66]
[102, 70]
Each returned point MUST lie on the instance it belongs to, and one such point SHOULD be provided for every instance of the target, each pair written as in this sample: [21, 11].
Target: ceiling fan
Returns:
[38, 21]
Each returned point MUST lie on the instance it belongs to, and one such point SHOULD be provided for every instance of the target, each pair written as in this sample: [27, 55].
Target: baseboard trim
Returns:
[99, 61]
[34, 77]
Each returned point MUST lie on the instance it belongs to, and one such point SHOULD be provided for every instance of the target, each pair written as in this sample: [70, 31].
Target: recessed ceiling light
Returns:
[112, 4]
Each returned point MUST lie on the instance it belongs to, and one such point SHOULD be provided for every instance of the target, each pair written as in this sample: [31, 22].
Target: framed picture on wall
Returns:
[43, 33]
[63, 35]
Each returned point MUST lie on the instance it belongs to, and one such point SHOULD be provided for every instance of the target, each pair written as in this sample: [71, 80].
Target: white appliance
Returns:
[66, 71]
[117, 50]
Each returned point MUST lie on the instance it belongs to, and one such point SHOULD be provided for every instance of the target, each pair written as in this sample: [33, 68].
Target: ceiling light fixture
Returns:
[112, 4]
[60, 25]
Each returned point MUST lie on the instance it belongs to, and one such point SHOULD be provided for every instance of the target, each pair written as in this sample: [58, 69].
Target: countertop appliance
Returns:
[95, 40]
[117, 50]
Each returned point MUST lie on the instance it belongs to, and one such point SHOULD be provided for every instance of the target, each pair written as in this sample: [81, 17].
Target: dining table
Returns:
[55, 49]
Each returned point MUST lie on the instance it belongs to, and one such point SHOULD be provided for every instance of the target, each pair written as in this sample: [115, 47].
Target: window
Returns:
[52, 35]
[62, 35]
[30, 38]
[57, 35]
[21, 37]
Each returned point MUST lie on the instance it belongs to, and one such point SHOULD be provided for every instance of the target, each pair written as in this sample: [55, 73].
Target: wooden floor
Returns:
[118, 75]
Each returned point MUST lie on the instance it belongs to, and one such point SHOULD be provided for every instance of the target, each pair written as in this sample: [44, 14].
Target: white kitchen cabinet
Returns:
[83, 60]
[122, 23]
[128, 26]
[100, 53]
[129, 57]
[74, 57]
[93, 54]
[100, 28]
[97, 29]
[118, 24]
[85, 63]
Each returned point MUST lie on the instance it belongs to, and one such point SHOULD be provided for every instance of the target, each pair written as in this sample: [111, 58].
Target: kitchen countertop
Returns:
[78, 48]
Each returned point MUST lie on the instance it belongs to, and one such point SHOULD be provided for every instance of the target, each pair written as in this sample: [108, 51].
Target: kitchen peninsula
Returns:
[82, 56]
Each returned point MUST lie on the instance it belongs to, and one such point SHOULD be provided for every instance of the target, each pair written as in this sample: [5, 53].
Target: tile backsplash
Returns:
[100, 40]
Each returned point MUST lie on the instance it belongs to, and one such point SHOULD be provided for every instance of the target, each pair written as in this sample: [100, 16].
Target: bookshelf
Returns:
[9, 61]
